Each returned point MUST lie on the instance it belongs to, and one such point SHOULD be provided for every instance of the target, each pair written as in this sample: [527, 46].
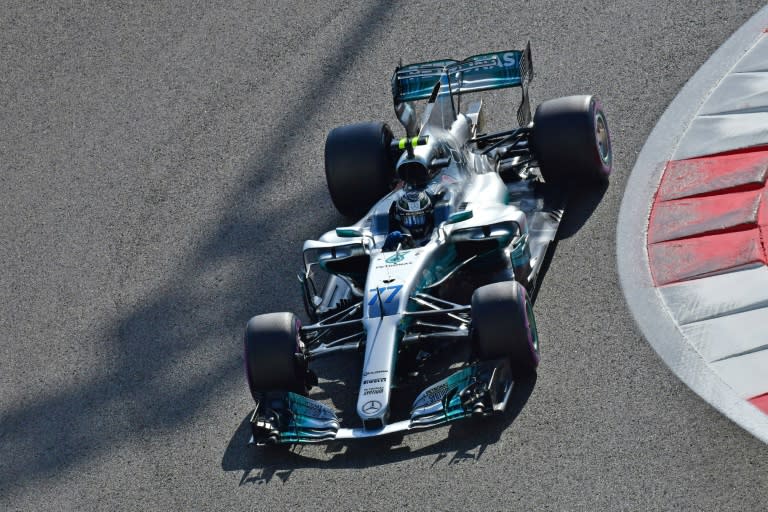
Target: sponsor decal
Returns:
[509, 59]
[502, 60]
[373, 391]
[375, 381]
[396, 258]
[402, 264]
[371, 407]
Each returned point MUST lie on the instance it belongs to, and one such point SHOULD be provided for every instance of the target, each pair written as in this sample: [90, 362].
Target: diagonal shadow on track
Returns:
[140, 395]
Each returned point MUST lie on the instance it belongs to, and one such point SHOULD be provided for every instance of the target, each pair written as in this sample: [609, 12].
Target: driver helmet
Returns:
[414, 211]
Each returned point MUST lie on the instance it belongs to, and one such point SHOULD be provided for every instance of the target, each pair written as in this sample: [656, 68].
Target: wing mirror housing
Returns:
[459, 217]
[453, 219]
[349, 232]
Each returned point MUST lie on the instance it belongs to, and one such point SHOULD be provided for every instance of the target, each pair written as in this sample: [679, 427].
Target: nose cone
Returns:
[378, 371]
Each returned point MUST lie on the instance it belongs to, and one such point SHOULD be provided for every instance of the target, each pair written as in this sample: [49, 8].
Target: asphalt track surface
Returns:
[160, 166]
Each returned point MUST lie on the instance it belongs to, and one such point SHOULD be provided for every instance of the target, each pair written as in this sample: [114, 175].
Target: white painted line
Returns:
[728, 336]
[716, 296]
[717, 134]
[735, 115]
[742, 93]
[745, 374]
[756, 59]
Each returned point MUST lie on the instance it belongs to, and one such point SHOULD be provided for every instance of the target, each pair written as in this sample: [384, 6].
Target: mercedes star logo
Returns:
[371, 406]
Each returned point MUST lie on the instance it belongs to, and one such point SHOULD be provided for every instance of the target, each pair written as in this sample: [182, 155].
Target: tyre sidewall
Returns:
[359, 167]
[503, 324]
[565, 140]
[271, 344]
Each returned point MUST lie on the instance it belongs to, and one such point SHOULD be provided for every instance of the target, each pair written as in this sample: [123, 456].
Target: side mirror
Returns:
[453, 219]
[459, 217]
[348, 232]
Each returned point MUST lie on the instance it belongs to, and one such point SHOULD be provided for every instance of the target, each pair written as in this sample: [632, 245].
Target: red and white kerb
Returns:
[708, 252]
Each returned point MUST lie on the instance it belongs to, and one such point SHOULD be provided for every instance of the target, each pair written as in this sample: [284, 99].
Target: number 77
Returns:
[395, 290]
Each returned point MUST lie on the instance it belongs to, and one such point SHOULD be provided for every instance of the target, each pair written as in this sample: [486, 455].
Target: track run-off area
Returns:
[162, 163]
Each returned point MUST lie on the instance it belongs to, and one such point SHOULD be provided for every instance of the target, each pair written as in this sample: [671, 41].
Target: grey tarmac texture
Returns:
[160, 165]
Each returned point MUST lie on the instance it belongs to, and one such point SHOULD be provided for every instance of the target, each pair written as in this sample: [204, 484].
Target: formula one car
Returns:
[454, 225]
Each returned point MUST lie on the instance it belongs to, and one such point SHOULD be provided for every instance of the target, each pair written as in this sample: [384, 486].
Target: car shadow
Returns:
[581, 204]
[463, 441]
[544, 268]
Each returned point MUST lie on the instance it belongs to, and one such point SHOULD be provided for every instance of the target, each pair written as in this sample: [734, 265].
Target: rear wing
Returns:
[498, 70]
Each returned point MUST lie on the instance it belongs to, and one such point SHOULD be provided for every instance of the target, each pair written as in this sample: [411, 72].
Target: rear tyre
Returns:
[571, 140]
[274, 354]
[503, 325]
[359, 166]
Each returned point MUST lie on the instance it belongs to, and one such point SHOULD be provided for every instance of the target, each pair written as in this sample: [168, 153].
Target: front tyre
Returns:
[274, 354]
[503, 325]
[359, 166]
[571, 140]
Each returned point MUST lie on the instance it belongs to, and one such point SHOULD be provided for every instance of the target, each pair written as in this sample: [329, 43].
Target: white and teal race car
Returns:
[454, 225]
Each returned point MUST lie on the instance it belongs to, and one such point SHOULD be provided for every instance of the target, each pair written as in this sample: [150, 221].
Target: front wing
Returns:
[480, 389]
